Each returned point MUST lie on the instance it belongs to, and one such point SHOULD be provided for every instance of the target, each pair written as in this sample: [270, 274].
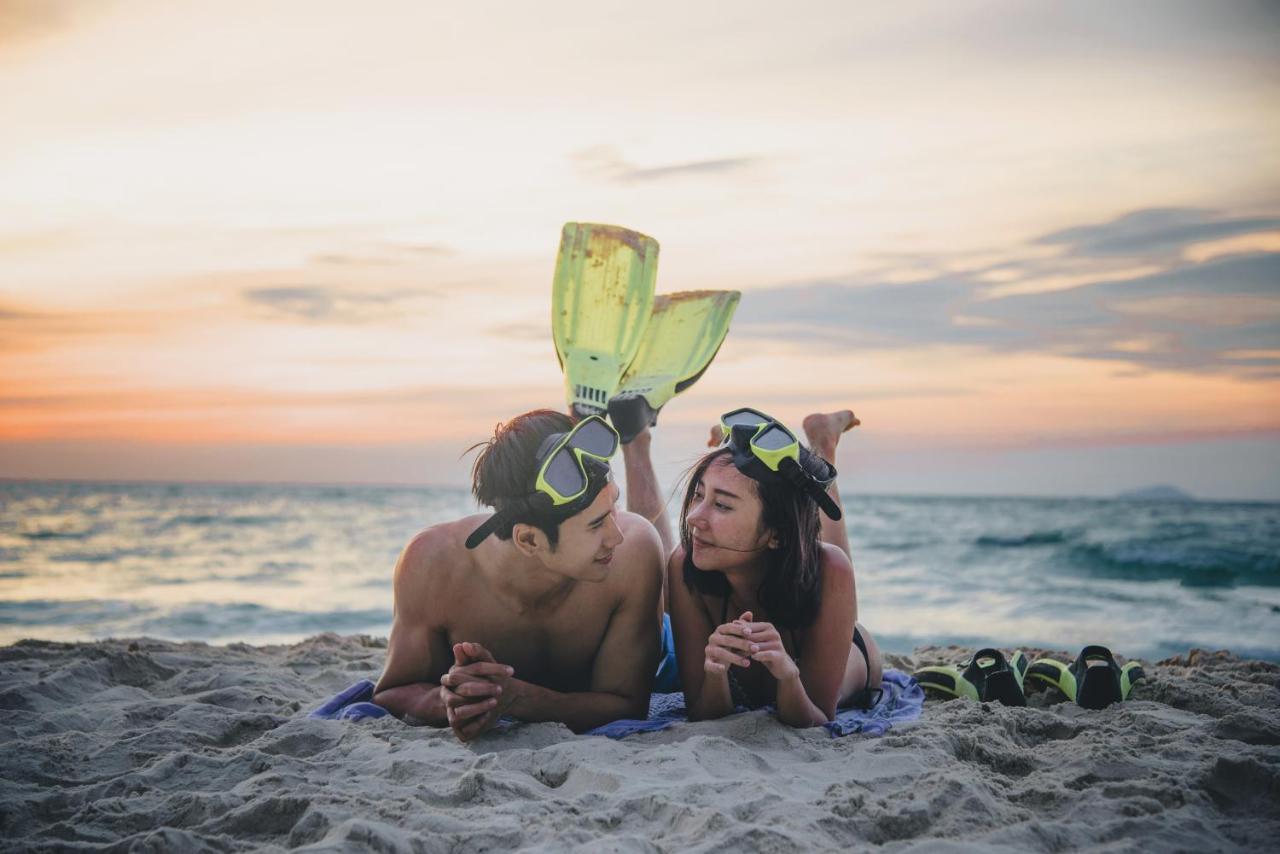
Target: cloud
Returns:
[1154, 232]
[28, 24]
[24, 330]
[27, 19]
[341, 260]
[864, 314]
[193, 400]
[522, 331]
[1187, 316]
[433, 249]
[386, 255]
[318, 303]
[607, 163]
[1182, 317]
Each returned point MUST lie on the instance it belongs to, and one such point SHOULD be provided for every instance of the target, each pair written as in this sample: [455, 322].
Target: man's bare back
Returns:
[577, 625]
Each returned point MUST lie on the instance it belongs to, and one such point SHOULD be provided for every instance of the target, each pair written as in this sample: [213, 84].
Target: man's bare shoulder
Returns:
[639, 560]
[435, 557]
[635, 526]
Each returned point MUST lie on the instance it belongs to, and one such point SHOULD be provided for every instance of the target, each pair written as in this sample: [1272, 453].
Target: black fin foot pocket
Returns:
[631, 415]
[1097, 678]
[995, 679]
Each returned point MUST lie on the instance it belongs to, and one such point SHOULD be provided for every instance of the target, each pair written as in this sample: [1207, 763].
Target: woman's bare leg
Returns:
[822, 430]
[643, 495]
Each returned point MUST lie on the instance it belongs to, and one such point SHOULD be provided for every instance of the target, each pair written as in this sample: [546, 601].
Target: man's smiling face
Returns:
[588, 539]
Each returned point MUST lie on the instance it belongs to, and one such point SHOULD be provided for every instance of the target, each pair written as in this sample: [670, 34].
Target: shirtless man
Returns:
[552, 617]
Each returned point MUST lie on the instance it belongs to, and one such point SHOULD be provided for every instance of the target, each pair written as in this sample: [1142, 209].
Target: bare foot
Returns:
[716, 437]
[823, 429]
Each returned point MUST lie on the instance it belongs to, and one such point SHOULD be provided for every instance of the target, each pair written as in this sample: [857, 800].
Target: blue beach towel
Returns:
[351, 704]
[900, 700]
[356, 702]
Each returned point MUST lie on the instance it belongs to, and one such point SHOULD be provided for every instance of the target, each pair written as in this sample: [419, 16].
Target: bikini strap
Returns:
[862, 647]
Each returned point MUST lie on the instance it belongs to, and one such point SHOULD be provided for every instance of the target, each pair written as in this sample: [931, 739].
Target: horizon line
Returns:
[1191, 498]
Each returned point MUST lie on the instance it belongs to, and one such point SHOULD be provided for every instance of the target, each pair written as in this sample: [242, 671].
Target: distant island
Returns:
[1157, 493]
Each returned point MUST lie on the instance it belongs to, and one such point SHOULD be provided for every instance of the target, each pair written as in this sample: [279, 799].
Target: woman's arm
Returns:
[827, 642]
[808, 692]
[706, 693]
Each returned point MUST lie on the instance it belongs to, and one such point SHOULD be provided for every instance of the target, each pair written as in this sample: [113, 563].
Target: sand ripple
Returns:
[152, 746]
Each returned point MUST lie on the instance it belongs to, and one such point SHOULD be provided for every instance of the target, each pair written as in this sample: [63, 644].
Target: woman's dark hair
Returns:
[791, 583]
[507, 464]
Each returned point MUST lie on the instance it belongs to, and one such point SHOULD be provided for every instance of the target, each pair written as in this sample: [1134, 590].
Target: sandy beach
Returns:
[155, 746]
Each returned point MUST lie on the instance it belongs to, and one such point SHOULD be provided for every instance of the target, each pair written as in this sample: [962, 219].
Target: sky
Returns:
[1034, 246]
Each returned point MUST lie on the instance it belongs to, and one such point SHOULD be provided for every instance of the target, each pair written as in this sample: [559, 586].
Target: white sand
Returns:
[148, 745]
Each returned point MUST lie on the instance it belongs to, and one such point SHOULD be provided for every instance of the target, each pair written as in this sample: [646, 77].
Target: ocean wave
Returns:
[207, 621]
[199, 520]
[113, 555]
[67, 612]
[1035, 538]
[1192, 565]
[84, 557]
[48, 534]
[896, 545]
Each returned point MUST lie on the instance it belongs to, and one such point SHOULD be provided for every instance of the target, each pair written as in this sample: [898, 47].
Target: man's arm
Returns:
[417, 653]
[622, 674]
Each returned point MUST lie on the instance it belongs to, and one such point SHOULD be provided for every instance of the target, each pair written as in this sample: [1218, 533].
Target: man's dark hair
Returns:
[507, 464]
[791, 583]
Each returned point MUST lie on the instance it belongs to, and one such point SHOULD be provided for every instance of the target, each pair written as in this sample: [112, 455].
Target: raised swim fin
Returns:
[600, 303]
[1093, 681]
[684, 334]
[987, 677]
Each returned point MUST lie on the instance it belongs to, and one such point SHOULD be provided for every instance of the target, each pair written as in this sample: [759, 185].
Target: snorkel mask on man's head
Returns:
[572, 469]
[764, 449]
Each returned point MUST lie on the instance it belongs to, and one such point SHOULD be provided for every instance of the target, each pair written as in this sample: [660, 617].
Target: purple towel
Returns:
[351, 704]
[901, 700]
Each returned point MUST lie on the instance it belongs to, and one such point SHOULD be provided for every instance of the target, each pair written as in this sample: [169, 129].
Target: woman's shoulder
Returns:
[834, 564]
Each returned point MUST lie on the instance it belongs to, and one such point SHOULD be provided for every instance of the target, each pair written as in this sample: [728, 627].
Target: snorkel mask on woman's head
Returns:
[572, 469]
[765, 449]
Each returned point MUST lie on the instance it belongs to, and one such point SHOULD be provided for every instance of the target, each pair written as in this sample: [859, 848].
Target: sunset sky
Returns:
[1035, 246]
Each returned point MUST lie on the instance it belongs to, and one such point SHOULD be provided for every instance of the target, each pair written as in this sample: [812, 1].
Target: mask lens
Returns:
[564, 475]
[773, 439]
[595, 438]
[744, 418]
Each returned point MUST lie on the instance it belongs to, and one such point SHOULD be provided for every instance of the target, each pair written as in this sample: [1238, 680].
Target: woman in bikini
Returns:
[760, 588]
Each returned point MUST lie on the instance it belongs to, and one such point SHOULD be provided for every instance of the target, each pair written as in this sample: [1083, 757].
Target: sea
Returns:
[266, 564]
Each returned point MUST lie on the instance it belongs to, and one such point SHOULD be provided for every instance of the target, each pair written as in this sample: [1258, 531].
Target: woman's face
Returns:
[724, 518]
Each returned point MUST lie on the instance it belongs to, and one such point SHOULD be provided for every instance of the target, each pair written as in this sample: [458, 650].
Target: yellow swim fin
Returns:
[684, 334]
[600, 303]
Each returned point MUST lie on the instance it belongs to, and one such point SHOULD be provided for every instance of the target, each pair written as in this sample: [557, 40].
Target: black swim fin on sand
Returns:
[987, 677]
[1093, 681]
